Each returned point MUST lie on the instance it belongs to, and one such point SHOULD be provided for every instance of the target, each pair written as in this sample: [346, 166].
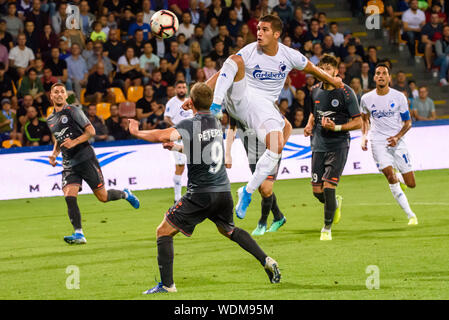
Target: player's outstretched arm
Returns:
[165, 135]
[337, 82]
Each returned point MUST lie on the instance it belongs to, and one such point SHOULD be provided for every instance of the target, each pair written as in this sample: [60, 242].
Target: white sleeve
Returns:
[12, 54]
[245, 52]
[403, 103]
[363, 105]
[122, 60]
[297, 59]
[169, 109]
[31, 54]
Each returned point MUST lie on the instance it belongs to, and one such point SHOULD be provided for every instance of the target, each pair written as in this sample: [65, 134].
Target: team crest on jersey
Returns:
[391, 104]
[335, 103]
[282, 66]
[64, 119]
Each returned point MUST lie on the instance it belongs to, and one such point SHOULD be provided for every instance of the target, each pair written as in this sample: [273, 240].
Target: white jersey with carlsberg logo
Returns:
[174, 110]
[387, 112]
[266, 74]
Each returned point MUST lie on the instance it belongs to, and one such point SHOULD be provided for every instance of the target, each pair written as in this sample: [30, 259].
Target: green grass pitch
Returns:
[119, 260]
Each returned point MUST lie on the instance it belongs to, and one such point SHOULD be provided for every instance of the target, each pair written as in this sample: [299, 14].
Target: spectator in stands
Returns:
[413, 89]
[196, 57]
[283, 108]
[317, 53]
[147, 11]
[143, 105]
[13, 24]
[116, 128]
[239, 43]
[209, 69]
[47, 81]
[218, 12]
[223, 35]
[211, 29]
[218, 54]
[342, 73]
[413, 20]
[101, 131]
[241, 10]
[336, 36]
[182, 46]
[314, 33]
[173, 56]
[129, 69]
[39, 18]
[353, 62]
[125, 22]
[309, 10]
[8, 122]
[350, 39]
[36, 132]
[186, 27]
[301, 102]
[200, 76]
[357, 87]
[33, 41]
[22, 111]
[98, 57]
[392, 20]
[156, 118]
[206, 45]
[401, 82]
[6, 85]
[137, 42]
[438, 9]
[246, 34]
[58, 67]
[5, 37]
[284, 11]
[148, 62]
[423, 108]
[372, 58]
[186, 68]
[167, 75]
[298, 38]
[113, 48]
[297, 20]
[4, 57]
[77, 70]
[233, 25]
[115, 6]
[98, 86]
[430, 34]
[442, 53]
[159, 86]
[329, 47]
[112, 23]
[58, 20]
[310, 82]
[298, 119]
[288, 92]
[48, 40]
[324, 27]
[97, 33]
[366, 78]
[31, 85]
[178, 6]
[139, 25]
[23, 7]
[86, 18]
[21, 58]
[264, 7]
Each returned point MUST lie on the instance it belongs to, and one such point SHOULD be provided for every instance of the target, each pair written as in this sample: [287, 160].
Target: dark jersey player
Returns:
[254, 150]
[208, 190]
[335, 113]
[72, 130]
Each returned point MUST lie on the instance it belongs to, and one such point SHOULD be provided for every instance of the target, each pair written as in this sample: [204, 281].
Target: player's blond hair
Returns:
[201, 96]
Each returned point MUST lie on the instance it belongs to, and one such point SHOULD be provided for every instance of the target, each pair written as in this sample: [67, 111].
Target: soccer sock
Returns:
[400, 177]
[177, 186]
[165, 256]
[319, 196]
[266, 204]
[401, 199]
[264, 166]
[225, 80]
[116, 195]
[330, 205]
[277, 214]
[249, 244]
[74, 212]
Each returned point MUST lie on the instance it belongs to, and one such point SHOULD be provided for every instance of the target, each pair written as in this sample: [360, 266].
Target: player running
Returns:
[209, 191]
[72, 130]
[335, 113]
[254, 150]
[251, 82]
[387, 110]
[174, 114]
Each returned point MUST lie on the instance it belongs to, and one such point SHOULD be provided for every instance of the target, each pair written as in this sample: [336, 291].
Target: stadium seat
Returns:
[49, 111]
[11, 143]
[103, 110]
[127, 109]
[83, 91]
[119, 96]
[135, 93]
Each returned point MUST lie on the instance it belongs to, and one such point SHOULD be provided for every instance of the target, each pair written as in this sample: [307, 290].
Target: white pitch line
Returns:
[395, 204]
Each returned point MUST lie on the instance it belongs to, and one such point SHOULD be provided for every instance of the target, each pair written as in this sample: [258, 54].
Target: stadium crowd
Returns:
[112, 64]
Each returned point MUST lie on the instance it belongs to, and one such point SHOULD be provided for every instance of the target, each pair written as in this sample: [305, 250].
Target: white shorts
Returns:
[396, 157]
[180, 158]
[253, 110]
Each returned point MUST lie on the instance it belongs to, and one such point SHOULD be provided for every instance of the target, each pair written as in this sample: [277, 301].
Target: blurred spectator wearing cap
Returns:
[139, 24]
[21, 58]
[77, 70]
[5, 37]
[423, 108]
[8, 122]
[13, 24]
[442, 53]
[35, 131]
[186, 27]
[430, 34]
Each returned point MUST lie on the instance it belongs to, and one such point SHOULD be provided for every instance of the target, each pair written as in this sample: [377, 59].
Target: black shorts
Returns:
[194, 208]
[274, 174]
[88, 171]
[328, 166]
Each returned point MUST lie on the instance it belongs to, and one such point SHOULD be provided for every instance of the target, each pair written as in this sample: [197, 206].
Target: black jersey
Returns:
[339, 105]
[70, 123]
[202, 137]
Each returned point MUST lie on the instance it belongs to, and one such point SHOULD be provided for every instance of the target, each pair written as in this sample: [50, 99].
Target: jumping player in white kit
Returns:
[249, 84]
[387, 110]
[174, 114]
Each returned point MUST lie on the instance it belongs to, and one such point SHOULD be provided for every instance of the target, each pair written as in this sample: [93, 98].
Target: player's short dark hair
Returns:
[276, 22]
[372, 47]
[383, 65]
[180, 82]
[57, 84]
[328, 59]
[201, 96]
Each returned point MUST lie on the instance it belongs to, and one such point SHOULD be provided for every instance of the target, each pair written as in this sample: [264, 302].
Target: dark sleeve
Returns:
[352, 103]
[185, 129]
[79, 117]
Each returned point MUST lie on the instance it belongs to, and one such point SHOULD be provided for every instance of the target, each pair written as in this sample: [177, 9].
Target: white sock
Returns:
[79, 231]
[401, 199]
[264, 166]
[177, 186]
[225, 80]
[400, 177]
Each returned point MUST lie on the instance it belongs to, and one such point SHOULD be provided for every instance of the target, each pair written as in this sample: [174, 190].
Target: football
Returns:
[164, 24]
